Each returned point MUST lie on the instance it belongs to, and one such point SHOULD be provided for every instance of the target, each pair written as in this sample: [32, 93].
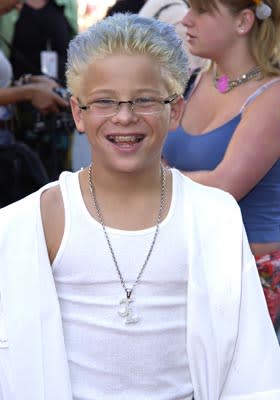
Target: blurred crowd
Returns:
[90, 11]
[36, 125]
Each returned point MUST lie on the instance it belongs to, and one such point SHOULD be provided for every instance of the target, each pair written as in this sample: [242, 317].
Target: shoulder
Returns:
[26, 209]
[53, 213]
[198, 189]
[266, 94]
[208, 202]
[23, 207]
[51, 202]
[215, 221]
[271, 92]
[263, 106]
[19, 219]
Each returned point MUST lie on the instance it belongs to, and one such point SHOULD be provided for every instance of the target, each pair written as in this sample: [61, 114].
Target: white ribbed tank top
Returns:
[108, 359]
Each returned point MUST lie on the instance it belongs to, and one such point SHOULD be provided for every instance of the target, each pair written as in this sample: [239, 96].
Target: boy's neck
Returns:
[129, 203]
[118, 183]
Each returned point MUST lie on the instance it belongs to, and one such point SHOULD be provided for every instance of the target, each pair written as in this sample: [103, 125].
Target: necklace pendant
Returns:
[127, 312]
[222, 84]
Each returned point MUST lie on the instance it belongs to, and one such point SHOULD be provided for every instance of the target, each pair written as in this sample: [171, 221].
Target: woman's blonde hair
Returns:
[264, 35]
[132, 35]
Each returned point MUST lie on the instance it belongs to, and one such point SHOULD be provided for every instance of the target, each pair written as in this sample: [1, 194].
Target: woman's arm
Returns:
[253, 149]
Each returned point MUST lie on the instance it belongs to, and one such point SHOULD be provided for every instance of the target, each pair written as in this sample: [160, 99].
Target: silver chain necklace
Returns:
[126, 310]
[223, 84]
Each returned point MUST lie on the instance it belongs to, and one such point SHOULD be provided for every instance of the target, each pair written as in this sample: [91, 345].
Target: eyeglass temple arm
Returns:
[170, 99]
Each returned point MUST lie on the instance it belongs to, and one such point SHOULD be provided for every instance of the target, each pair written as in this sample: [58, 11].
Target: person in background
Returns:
[229, 132]
[21, 171]
[120, 268]
[35, 38]
[36, 89]
[39, 25]
[171, 12]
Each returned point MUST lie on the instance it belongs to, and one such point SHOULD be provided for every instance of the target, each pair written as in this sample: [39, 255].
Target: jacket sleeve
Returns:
[232, 346]
[254, 373]
[5, 367]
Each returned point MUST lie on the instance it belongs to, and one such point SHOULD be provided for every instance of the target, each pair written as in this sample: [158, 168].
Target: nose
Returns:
[187, 19]
[124, 114]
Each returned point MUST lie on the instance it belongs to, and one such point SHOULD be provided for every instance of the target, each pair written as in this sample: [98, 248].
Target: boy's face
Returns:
[127, 140]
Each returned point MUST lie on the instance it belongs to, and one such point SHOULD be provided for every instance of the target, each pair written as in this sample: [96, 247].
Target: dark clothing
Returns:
[122, 6]
[21, 172]
[36, 30]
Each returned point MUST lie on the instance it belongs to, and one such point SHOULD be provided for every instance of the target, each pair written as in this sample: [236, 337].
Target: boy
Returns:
[115, 285]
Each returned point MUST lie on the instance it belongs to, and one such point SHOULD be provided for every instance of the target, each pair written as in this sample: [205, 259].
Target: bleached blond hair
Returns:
[128, 34]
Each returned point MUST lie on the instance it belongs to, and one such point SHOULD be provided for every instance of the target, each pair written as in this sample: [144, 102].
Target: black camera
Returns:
[63, 92]
[59, 121]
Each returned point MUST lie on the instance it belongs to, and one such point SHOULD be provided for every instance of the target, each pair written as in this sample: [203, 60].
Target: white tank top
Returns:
[108, 359]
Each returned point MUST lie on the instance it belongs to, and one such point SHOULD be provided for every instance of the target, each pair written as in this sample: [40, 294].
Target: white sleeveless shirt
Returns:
[109, 359]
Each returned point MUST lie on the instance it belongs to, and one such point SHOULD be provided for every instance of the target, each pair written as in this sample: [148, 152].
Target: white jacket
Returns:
[233, 350]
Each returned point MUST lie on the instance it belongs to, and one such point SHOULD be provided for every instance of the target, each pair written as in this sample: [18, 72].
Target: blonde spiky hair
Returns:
[133, 35]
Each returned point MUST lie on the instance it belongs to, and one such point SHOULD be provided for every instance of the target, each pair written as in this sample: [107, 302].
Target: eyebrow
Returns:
[112, 93]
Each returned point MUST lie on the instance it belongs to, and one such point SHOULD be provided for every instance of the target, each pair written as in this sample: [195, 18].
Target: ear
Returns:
[77, 114]
[245, 21]
[177, 109]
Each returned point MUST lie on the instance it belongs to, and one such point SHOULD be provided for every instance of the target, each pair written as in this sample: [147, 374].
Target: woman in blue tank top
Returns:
[230, 130]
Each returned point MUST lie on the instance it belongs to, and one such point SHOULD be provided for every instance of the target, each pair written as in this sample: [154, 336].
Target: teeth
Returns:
[125, 139]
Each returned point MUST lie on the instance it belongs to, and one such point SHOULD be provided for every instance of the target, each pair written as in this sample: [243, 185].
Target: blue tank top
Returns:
[261, 206]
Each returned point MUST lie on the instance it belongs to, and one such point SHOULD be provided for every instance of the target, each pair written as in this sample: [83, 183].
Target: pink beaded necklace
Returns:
[223, 84]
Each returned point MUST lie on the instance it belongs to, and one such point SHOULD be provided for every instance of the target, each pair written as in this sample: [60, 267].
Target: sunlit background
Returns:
[90, 11]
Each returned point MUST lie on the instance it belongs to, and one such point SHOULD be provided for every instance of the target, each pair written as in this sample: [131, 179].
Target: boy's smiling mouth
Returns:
[126, 139]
